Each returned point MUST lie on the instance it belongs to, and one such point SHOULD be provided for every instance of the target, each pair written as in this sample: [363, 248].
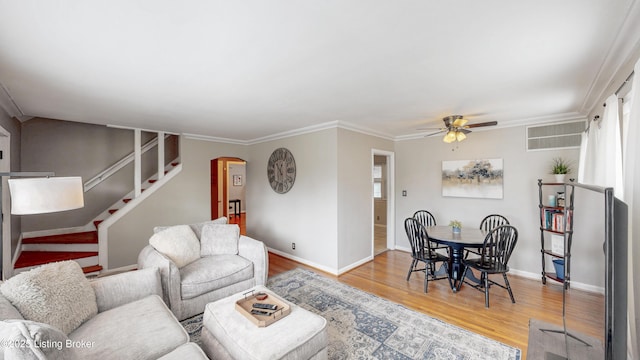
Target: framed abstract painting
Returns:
[473, 178]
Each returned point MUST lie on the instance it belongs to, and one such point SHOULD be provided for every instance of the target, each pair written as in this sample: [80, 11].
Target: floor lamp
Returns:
[40, 193]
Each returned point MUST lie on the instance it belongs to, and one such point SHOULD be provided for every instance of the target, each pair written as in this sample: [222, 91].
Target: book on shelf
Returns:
[554, 220]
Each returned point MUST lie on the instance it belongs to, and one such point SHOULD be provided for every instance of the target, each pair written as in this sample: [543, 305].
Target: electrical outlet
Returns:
[293, 246]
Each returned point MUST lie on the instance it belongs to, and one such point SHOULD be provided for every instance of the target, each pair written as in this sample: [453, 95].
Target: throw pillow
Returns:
[26, 339]
[219, 240]
[57, 294]
[178, 243]
[197, 228]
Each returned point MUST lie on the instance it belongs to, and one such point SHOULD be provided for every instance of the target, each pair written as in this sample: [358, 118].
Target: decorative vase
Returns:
[560, 177]
[456, 230]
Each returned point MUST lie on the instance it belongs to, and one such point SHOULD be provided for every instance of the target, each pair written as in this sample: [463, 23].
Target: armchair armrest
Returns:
[115, 290]
[256, 252]
[169, 274]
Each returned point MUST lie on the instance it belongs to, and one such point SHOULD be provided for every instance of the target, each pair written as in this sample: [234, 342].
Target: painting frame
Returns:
[478, 178]
[237, 180]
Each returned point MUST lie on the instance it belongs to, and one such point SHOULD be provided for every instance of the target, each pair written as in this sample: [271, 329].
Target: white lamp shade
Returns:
[45, 195]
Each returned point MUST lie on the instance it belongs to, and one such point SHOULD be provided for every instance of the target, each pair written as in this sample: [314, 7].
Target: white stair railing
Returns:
[106, 173]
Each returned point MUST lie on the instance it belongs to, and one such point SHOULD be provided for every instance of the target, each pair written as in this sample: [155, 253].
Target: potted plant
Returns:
[560, 168]
[456, 225]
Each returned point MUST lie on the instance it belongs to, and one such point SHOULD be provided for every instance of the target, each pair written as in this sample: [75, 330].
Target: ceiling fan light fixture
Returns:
[460, 136]
[450, 137]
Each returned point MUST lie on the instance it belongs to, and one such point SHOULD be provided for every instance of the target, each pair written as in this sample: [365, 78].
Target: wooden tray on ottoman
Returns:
[245, 305]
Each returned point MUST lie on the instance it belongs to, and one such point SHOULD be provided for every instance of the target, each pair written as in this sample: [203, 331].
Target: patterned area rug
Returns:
[364, 326]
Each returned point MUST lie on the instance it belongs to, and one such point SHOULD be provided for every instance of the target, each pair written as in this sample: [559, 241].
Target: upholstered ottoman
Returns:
[227, 334]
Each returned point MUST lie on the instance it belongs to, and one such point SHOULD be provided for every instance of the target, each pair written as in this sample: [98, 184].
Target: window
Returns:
[378, 181]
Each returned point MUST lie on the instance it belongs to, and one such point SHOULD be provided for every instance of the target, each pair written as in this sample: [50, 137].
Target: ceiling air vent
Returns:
[555, 136]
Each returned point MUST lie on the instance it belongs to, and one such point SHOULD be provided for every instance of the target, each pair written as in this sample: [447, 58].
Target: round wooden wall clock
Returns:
[281, 170]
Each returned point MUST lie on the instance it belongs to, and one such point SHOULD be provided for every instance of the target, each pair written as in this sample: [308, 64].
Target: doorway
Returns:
[228, 180]
[6, 263]
[383, 202]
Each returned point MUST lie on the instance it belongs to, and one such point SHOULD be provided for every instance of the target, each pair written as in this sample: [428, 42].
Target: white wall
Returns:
[355, 196]
[418, 170]
[184, 200]
[307, 214]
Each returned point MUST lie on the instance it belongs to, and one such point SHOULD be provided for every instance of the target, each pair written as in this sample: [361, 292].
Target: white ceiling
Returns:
[249, 69]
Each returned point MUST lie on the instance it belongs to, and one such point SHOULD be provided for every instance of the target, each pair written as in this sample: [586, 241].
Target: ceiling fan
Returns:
[456, 128]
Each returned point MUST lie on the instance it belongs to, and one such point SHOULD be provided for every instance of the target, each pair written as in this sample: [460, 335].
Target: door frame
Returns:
[391, 203]
[215, 184]
[5, 166]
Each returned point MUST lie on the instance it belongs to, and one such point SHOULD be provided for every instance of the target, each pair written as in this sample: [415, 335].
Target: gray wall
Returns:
[418, 170]
[307, 214]
[12, 126]
[183, 200]
[78, 149]
[355, 195]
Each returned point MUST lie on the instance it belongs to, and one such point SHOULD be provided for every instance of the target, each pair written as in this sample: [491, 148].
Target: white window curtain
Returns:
[601, 151]
[632, 198]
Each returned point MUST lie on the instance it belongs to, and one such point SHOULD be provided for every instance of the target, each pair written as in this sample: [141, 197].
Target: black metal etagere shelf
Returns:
[556, 220]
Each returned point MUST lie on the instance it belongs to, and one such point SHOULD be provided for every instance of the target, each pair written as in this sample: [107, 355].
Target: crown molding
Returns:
[541, 120]
[622, 53]
[292, 133]
[9, 105]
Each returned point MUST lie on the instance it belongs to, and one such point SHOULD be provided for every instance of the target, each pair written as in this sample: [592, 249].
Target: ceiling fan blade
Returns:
[488, 123]
[436, 133]
[464, 131]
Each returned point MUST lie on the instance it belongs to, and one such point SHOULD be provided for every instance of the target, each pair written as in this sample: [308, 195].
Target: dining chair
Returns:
[423, 251]
[494, 258]
[487, 224]
[427, 219]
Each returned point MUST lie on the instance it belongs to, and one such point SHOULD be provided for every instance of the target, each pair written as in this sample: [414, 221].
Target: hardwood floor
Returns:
[508, 323]
[240, 220]
[379, 239]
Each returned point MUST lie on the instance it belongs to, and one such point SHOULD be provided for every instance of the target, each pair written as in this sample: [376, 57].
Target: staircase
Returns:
[81, 246]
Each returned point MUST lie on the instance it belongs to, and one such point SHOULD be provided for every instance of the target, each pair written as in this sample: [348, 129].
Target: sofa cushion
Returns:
[26, 339]
[57, 294]
[189, 351]
[178, 243]
[143, 329]
[197, 228]
[213, 272]
[8, 311]
[219, 240]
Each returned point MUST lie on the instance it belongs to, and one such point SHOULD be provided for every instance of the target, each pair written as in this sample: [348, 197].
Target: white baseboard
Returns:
[354, 265]
[303, 261]
[326, 269]
[574, 284]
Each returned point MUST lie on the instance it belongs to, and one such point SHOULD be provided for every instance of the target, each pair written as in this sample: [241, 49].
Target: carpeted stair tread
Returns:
[97, 222]
[88, 237]
[112, 211]
[34, 258]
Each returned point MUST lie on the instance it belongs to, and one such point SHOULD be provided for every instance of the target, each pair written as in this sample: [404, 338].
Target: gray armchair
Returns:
[188, 289]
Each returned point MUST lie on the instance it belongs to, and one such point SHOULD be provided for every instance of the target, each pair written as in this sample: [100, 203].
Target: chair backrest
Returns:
[418, 238]
[498, 245]
[425, 218]
[492, 221]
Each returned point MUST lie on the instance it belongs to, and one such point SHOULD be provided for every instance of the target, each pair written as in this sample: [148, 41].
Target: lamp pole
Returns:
[2, 238]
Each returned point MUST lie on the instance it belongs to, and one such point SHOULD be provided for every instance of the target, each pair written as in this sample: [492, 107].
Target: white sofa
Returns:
[132, 322]
[188, 288]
